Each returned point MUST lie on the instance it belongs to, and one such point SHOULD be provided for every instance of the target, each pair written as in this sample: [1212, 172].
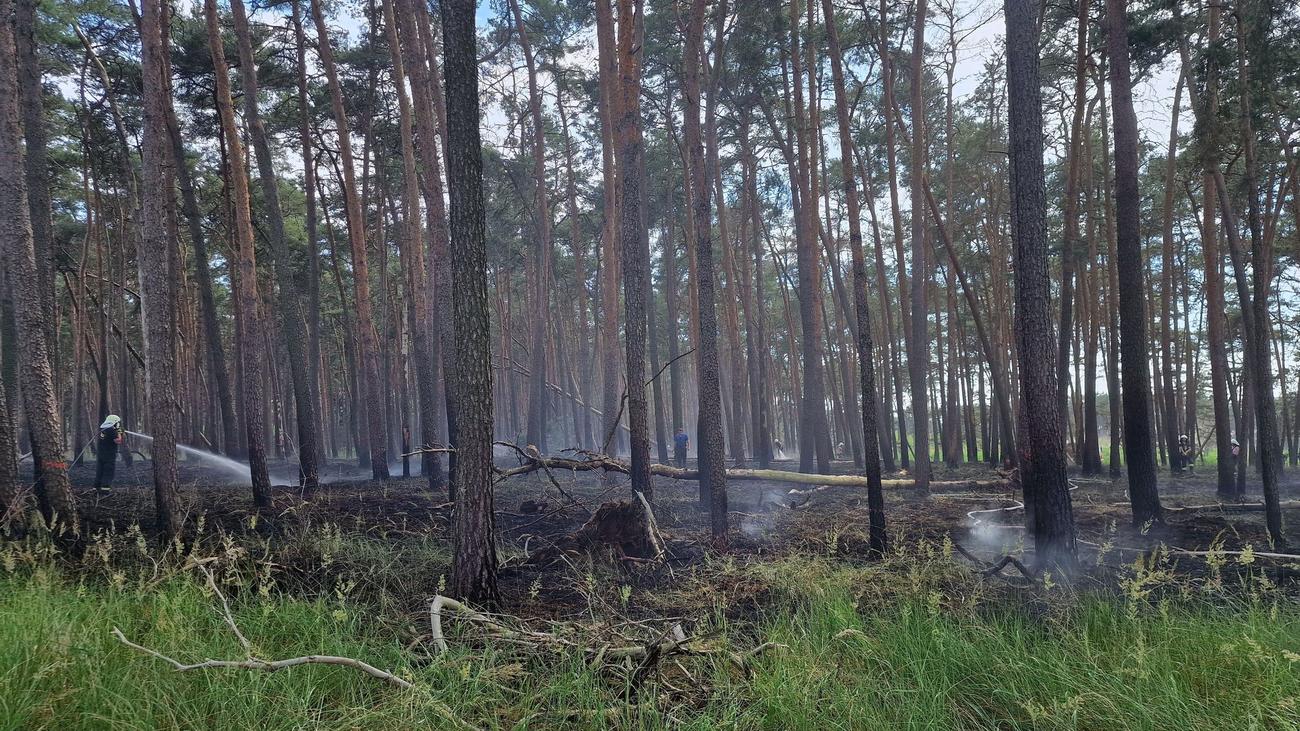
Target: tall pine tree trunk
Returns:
[1134, 371]
[866, 356]
[540, 321]
[608, 72]
[713, 468]
[1167, 376]
[245, 263]
[156, 274]
[634, 246]
[1047, 492]
[418, 310]
[35, 378]
[474, 559]
[373, 403]
[919, 352]
[292, 324]
[30, 94]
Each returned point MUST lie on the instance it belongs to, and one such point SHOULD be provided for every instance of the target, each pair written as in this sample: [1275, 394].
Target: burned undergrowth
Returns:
[608, 624]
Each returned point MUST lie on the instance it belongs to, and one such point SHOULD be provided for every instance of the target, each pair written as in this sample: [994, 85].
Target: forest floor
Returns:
[791, 626]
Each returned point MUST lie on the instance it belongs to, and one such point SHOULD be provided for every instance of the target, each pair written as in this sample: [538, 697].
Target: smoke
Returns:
[995, 529]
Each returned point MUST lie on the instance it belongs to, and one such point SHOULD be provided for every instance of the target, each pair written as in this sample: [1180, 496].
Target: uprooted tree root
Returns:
[627, 527]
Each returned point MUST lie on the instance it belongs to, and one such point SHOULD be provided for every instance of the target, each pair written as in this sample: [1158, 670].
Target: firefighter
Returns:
[110, 437]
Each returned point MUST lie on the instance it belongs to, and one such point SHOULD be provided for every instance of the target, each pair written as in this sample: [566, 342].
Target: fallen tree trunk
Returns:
[588, 461]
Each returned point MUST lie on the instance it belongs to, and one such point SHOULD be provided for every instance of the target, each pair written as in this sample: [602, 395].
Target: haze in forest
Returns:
[728, 352]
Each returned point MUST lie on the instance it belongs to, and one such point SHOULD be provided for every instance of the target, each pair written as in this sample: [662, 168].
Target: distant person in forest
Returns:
[680, 444]
[1185, 455]
[110, 436]
[1236, 453]
[778, 450]
[839, 451]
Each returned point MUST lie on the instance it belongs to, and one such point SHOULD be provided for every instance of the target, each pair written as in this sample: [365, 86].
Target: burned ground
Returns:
[768, 522]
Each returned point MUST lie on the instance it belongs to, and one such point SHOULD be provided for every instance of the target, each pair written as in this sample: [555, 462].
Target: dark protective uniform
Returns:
[106, 457]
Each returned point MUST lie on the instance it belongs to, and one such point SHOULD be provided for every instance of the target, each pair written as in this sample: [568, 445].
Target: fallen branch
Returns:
[652, 527]
[530, 455]
[1223, 507]
[995, 569]
[254, 663]
[672, 639]
[269, 666]
[1009, 560]
[1175, 551]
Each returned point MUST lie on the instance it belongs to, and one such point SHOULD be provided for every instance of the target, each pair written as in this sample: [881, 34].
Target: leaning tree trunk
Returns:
[1206, 111]
[474, 562]
[245, 263]
[1167, 376]
[1043, 467]
[35, 377]
[31, 95]
[418, 302]
[216, 354]
[289, 299]
[373, 403]
[1257, 325]
[1134, 369]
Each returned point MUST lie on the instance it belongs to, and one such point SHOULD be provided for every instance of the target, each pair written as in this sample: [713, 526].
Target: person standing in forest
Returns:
[681, 442]
[109, 439]
[1186, 455]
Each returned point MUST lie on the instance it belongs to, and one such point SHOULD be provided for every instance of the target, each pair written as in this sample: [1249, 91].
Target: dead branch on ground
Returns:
[995, 569]
[606, 646]
[252, 662]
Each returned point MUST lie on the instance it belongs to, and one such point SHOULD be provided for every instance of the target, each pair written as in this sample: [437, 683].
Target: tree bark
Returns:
[919, 352]
[713, 476]
[155, 262]
[35, 378]
[311, 273]
[31, 98]
[373, 404]
[289, 299]
[540, 320]
[1070, 243]
[474, 564]
[1167, 376]
[1047, 493]
[251, 356]
[877, 537]
[429, 121]
[1134, 372]
[608, 72]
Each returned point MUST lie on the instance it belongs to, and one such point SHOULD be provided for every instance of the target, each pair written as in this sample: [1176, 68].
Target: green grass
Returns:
[921, 647]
